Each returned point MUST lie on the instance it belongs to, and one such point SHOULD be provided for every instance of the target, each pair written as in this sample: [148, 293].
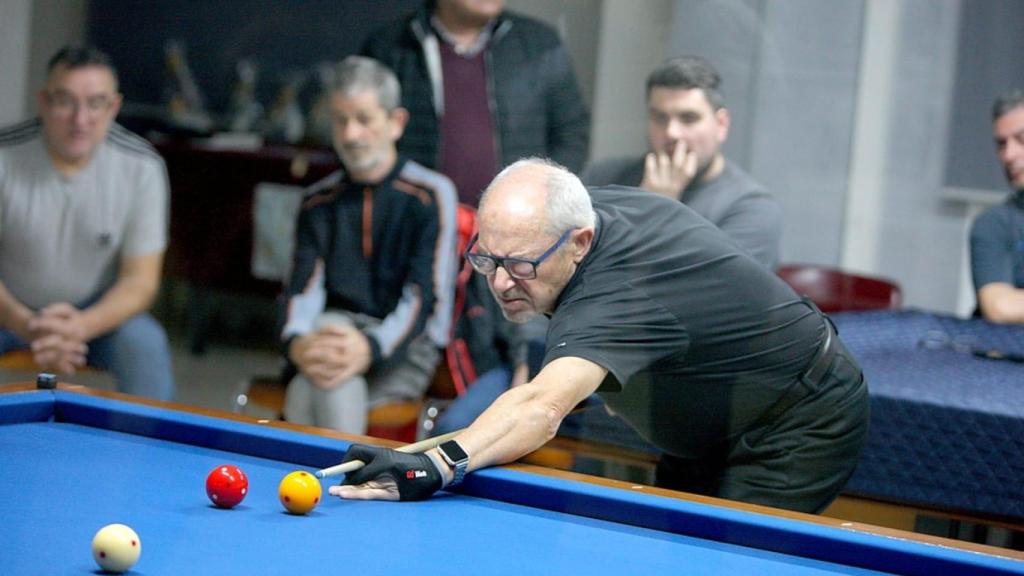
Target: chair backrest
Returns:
[833, 290]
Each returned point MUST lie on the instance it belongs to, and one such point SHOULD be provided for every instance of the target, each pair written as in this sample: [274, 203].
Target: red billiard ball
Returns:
[226, 485]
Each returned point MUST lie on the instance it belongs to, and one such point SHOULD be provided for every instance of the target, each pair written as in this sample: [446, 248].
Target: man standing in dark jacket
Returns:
[484, 87]
[369, 301]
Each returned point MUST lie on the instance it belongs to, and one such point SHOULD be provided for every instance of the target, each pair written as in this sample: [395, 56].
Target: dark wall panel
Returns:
[283, 36]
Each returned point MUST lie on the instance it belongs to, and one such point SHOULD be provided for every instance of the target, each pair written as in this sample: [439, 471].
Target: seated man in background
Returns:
[687, 122]
[997, 235]
[369, 301]
[83, 228]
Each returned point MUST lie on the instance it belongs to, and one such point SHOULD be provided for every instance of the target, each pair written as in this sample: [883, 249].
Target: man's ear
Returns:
[399, 120]
[582, 240]
[115, 107]
[723, 119]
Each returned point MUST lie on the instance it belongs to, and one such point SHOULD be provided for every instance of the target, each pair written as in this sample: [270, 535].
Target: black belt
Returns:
[813, 376]
[822, 360]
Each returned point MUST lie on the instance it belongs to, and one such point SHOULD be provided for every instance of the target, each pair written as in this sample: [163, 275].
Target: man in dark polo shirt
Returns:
[711, 357]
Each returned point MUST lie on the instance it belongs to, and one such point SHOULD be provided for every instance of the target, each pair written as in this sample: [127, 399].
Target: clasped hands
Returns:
[57, 337]
[331, 354]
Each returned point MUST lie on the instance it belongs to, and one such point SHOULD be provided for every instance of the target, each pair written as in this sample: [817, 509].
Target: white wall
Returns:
[31, 31]
[841, 108]
[634, 38]
[905, 230]
[15, 21]
[55, 23]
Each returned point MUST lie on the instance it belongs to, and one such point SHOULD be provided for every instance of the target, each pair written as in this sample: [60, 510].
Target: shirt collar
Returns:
[470, 51]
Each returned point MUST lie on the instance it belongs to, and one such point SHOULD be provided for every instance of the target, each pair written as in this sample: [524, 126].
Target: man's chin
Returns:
[519, 315]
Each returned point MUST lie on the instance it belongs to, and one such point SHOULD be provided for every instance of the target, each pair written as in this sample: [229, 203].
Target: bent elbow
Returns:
[998, 314]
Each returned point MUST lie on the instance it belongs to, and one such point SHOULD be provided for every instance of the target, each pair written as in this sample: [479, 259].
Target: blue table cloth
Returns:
[947, 424]
[947, 412]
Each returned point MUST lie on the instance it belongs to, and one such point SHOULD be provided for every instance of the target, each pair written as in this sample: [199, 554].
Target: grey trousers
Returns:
[345, 407]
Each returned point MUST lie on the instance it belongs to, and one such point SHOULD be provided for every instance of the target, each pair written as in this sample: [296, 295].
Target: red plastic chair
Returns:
[833, 290]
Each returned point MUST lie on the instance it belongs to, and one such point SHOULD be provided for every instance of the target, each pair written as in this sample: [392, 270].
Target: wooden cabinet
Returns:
[211, 220]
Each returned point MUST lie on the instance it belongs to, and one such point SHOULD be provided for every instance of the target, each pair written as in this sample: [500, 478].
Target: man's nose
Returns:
[676, 129]
[351, 131]
[502, 280]
[80, 114]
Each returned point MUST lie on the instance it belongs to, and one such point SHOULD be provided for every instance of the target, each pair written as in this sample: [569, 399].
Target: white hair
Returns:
[356, 74]
[568, 202]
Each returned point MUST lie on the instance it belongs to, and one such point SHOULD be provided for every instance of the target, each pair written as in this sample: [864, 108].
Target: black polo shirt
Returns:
[698, 338]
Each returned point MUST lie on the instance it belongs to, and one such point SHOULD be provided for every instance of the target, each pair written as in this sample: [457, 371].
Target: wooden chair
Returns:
[18, 360]
[393, 421]
[22, 361]
[833, 290]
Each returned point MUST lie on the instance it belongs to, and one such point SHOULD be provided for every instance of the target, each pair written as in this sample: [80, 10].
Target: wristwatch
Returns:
[455, 457]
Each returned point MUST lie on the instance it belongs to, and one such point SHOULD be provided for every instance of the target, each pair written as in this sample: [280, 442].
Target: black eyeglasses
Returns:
[64, 105]
[520, 268]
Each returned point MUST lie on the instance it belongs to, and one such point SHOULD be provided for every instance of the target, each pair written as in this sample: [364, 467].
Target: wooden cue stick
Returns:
[421, 446]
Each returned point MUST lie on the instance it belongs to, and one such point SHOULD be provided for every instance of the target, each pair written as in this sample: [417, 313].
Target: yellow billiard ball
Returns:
[299, 492]
[116, 547]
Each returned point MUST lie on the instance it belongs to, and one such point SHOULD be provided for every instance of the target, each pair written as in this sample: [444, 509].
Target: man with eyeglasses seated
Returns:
[744, 385]
[83, 229]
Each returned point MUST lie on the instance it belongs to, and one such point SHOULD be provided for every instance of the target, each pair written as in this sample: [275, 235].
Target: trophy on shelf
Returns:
[318, 124]
[244, 112]
[285, 122]
[184, 100]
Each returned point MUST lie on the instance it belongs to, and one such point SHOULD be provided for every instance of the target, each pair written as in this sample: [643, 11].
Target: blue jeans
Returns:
[464, 409]
[136, 352]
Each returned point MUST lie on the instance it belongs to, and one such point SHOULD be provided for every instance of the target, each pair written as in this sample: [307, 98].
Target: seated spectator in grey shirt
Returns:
[687, 122]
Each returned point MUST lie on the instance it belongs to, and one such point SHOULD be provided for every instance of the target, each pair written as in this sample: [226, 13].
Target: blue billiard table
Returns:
[73, 460]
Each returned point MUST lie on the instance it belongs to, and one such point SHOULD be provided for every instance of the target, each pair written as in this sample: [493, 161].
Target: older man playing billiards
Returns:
[745, 386]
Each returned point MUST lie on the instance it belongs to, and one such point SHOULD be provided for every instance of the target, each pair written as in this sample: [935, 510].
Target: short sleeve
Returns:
[146, 228]
[623, 330]
[992, 248]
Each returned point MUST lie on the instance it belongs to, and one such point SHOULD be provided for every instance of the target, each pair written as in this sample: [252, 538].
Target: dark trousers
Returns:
[801, 460]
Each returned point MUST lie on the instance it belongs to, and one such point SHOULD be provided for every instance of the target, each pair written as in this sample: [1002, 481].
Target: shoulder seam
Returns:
[130, 142]
[20, 132]
[321, 191]
[420, 176]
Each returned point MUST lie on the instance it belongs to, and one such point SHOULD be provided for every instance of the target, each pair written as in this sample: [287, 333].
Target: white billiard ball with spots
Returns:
[116, 548]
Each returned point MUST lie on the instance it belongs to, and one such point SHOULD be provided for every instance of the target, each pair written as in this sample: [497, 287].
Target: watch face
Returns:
[453, 451]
